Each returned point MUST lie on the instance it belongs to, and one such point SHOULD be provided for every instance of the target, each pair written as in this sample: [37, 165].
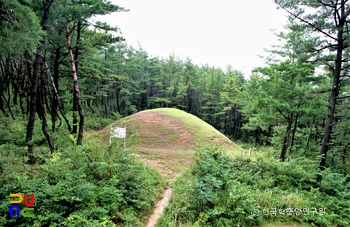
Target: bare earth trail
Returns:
[167, 146]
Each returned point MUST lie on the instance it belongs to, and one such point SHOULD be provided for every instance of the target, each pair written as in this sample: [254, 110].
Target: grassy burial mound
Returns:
[166, 138]
[175, 129]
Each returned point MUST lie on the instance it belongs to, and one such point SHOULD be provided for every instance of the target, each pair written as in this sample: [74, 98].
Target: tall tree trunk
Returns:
[118, 99]
[76, 89]
[335, 88]
[9, 75]
[106, 106]
[76, 62]
[54, 106]
[8, 102]
[269, 133]
[42, 114]
[310, 134]
[22, 88]
[59, 105]
[27, 82]
[294, 129]
[2, 85]
[15, 87]
[256, 132]
[21, 103]
[2, 102]
[34, 84]
[286, 140]
[88, 102]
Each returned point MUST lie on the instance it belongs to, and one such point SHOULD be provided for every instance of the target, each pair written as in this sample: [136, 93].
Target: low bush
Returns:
[220, 191]
[79, 186]
[94, 122]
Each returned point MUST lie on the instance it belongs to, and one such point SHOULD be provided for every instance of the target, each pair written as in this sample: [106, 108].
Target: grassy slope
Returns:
[205, 133]
[170, 139]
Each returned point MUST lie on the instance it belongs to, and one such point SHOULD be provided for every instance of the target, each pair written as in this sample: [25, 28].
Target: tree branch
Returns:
[286, 118]
[343, 97]
[322, 48]
[326, 4]
[305, 21]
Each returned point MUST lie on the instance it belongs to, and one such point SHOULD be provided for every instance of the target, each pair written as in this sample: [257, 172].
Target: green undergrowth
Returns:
[92, 185]
[221, 191]
[95, 122]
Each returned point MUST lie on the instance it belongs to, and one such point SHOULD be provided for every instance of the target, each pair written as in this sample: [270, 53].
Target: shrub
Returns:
[244, 192]
[113, 188]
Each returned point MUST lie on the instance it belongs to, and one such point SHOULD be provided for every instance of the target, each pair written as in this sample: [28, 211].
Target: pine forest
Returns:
[65, 79]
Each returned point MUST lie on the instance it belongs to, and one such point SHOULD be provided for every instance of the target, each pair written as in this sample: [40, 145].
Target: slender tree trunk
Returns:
[2, 102]
[294, 129]
[310, 134]
[59, 105]
[34, 84]
[21, 103]
[76, 62]
[335, 89]
[22, 87]
[256, 132]
[55, 84]
[2, 83]
[106, 106]
[88, 102]
[286, 141]
[269, 132]
[8, 102]
[75, 109]
[28, 84]
[118, 99]
[15, 90]
[76, 89]
[9, 75]
[42, 115]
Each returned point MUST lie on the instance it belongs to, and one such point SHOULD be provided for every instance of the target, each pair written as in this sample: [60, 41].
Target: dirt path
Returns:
[159, 208]
[166, 145]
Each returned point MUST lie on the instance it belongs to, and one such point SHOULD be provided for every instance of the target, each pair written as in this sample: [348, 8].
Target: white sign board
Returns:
[119, 133]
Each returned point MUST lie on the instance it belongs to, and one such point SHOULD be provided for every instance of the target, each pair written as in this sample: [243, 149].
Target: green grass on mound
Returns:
[204, 132]
[166, 138]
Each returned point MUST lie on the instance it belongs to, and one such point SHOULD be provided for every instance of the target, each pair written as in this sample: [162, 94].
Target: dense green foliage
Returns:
[221, 191]
[298, 104]
[283, 104]
[90, 185]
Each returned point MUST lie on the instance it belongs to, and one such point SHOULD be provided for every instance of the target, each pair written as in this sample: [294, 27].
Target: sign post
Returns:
[119, 133]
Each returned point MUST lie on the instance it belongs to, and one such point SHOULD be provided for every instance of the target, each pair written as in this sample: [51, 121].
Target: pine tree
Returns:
[329, 23]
